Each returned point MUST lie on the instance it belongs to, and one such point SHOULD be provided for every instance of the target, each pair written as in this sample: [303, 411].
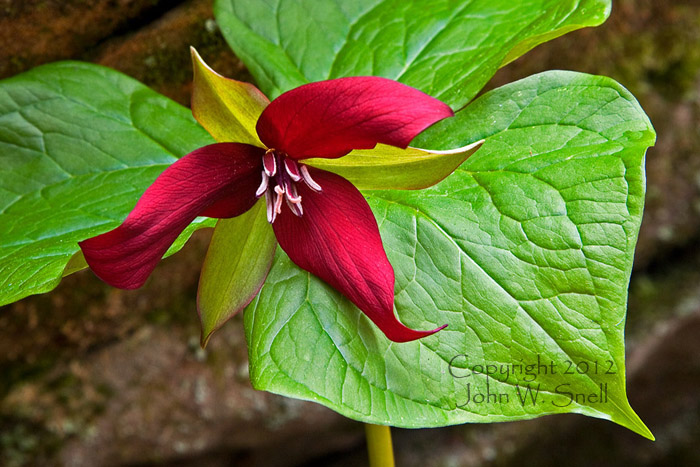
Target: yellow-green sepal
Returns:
[239, 257]
[227, 108]
[391, 168]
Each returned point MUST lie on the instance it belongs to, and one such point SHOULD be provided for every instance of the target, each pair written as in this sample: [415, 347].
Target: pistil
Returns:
[279, 178]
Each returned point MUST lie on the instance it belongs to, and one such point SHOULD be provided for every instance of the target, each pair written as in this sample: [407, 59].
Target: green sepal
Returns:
[237, 262]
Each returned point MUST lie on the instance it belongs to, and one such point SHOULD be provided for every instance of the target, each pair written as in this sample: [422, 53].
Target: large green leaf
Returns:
[79, 143]
[526, 251]
[447, 48]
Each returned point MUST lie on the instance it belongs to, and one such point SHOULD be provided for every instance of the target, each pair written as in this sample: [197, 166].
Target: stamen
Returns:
[270, 206]
[291, 191]
[263, 185]
[292, 169]
[270, 163]
[279, 178]
[296, 209]
[308, 180]
[278, 200]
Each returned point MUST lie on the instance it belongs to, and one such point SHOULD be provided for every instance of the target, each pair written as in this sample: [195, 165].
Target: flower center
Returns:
[279, 178]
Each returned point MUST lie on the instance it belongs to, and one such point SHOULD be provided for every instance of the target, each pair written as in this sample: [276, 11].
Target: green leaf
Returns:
[239, 257]
[79, 143]
[447, 48]
[526, 251]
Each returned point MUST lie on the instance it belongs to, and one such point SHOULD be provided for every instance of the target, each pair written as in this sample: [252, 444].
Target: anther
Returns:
[291, 191]
[270, 163]
[278, 200]
[269, 202]
[292, 169]
[263, 185]
[296, 208]
[308, 180]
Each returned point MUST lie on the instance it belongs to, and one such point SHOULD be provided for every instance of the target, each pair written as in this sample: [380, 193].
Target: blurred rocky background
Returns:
[91, 375]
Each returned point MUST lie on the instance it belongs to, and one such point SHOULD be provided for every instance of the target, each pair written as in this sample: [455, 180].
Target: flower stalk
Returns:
[379, 446]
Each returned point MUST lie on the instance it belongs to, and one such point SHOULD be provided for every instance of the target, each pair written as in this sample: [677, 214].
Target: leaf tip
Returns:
[198, 64]
[206, 329]
[641, 429]
[204, 338]
[633, 422]
[196, 58]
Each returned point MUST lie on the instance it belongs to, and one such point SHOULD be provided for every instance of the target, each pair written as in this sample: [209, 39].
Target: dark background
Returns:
[92, 375]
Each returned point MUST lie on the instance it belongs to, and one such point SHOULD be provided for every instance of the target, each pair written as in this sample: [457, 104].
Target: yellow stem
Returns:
[381, 452]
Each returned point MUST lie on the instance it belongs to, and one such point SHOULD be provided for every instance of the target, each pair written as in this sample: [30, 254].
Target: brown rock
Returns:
[33, 32]
[159, 53]
[118, 378]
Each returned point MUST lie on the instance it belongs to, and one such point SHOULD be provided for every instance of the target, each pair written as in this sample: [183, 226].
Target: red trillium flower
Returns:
[319, 218]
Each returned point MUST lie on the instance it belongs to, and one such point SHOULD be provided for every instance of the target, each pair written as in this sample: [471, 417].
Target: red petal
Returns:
[331, 118]
[337, 239]
[219, 178]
